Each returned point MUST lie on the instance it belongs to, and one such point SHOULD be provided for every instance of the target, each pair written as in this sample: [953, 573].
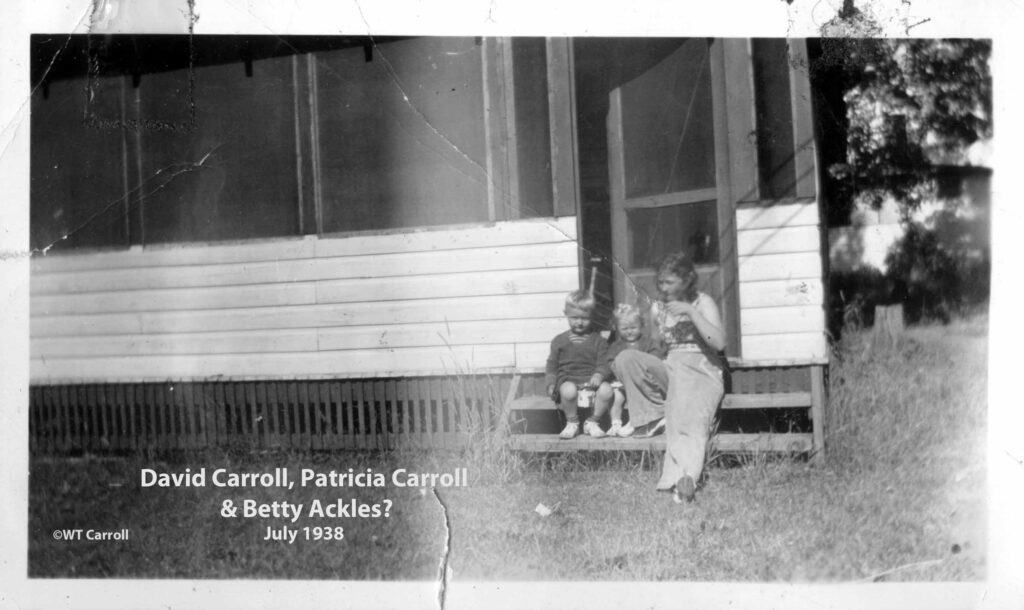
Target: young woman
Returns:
[679, 394]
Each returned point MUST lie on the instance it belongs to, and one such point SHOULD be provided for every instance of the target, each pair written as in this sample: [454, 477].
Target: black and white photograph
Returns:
[413, 308]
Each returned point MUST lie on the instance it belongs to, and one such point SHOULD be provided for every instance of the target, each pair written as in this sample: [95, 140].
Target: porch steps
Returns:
[725, 442]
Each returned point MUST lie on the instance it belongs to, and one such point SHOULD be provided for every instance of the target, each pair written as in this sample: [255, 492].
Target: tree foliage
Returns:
[910, 104]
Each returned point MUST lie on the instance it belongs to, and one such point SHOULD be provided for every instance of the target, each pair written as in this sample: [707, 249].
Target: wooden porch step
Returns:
[778, 400]
[727, 443]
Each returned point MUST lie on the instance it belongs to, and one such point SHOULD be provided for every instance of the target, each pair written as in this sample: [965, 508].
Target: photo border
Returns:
[998, 20]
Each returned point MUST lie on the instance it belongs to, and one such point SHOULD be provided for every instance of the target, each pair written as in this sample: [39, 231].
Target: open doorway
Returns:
[649, 155]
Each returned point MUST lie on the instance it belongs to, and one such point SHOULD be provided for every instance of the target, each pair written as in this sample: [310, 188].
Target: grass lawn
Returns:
[900, 497]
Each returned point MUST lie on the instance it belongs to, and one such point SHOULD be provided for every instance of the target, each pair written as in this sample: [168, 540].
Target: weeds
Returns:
[900, 496]
[483, 428]
[905, 402]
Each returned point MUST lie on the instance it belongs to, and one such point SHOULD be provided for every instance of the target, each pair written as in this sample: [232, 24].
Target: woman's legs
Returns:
[692, 400]
[645, 381]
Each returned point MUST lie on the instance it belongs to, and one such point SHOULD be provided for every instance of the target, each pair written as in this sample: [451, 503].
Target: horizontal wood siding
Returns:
[416, 311]
[305, 293]
[423, 302]
[776, 320]
[792, 266]
[359, 266]
[787, 347]
[780, 293]
[782, 315]
[780, 240]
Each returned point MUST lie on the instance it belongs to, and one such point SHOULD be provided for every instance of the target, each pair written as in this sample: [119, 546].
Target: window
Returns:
[690, 228]
[774, 112]
[401, 142]
[233, 175]
[667, 127]
[78, 178]
[230, 137]
[533, 132]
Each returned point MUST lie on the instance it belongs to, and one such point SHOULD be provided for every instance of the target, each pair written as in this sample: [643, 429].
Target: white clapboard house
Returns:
[326, 242]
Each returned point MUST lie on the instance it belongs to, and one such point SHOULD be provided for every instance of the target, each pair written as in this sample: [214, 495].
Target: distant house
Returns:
[963, 187]
[328, 222]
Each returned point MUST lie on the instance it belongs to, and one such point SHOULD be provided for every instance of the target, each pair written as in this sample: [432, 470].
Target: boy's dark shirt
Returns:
[576, 362]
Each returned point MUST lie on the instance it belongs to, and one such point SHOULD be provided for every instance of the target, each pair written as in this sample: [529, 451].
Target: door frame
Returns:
[722, 192]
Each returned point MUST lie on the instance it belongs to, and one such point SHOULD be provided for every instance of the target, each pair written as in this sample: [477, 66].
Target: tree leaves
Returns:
[910, 105]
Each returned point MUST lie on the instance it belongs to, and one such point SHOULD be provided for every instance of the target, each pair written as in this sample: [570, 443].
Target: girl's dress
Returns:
[685, 389]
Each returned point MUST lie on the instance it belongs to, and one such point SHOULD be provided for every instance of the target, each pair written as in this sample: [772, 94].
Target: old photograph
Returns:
[439, 308]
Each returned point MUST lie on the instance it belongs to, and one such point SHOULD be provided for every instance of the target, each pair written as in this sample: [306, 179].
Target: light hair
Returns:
[581, 300]
[624, 312]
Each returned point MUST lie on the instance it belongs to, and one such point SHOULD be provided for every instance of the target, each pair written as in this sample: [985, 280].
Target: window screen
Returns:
[533, 130]
[775, 151]
[691, 228]
[77, 169]
[401, 138]
[244, 135]
[668, 126]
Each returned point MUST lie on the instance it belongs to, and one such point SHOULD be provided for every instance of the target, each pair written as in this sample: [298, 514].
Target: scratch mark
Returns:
[405, 98]
[178, 170]
[443, 568]
[93, 84]
[393, 74]
[914, 25]
[10, 255]
[11, 124]
[919, 564]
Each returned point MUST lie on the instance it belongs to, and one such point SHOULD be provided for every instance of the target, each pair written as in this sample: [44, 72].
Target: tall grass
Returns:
[483, 428]
[923, 398]
[900, 496]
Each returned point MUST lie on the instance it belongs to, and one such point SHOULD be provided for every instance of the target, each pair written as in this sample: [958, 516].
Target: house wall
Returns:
[779, 233]
[415, 301]
[480, 298]
[782, 315]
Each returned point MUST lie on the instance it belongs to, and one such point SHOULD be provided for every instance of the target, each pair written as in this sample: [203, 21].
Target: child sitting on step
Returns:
[578, 361]
[629, 331]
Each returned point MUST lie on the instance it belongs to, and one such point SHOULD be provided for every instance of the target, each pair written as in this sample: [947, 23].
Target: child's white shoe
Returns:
[593, 429]
[570, 431]
[614, 430]
[626, 431]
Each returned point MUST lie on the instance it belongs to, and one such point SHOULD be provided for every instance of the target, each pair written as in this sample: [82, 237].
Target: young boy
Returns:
[629, 331]
[578, 359]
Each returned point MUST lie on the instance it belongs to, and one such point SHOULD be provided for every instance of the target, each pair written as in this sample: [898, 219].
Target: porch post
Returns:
[498, 112]
[562, 113]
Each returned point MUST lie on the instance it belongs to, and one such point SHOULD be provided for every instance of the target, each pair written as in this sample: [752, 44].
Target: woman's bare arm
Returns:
[705, 317]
